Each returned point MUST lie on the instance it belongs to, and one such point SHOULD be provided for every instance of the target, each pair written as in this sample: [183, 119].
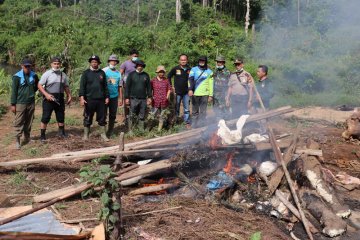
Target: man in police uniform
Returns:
[52, 85]
[221, 81]
[240, 92]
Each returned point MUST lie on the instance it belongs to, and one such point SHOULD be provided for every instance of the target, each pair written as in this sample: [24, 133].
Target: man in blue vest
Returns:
[24, 86]
[201, 89]
[113, 79]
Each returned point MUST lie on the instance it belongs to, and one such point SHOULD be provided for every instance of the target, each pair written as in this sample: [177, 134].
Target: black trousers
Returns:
[138, 108]
[199, 106]
[239, 105]
[94, 106]
[111, 108]
[50, 106]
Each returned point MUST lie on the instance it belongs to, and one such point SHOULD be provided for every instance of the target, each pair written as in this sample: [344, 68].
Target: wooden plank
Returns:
[58, 193]
[151, 189]
[146, 170]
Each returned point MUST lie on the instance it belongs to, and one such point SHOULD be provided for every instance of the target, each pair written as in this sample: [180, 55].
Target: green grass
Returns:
[18, 178]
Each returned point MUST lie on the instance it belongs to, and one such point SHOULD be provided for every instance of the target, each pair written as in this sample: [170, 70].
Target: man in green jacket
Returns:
[138, 94]
[94, 95]
[24, 86]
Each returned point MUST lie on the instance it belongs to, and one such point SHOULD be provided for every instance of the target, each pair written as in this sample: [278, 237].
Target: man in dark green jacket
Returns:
[24, 86]
[94, 95]
[138, 94]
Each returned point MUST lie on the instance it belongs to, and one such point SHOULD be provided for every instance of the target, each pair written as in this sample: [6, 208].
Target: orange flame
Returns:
[214, 141]
[228, 166]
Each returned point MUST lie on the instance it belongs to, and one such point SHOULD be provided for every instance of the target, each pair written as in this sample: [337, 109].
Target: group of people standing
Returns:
[103, 91]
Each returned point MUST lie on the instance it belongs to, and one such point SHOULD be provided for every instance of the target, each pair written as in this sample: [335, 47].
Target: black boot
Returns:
[42, 136]
[61, 132]
[110, 128]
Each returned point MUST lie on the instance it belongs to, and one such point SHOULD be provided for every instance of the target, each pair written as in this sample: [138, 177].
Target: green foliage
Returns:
[102, 175]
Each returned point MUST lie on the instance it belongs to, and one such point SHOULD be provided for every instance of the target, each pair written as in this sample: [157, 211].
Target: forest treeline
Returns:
[295, 38]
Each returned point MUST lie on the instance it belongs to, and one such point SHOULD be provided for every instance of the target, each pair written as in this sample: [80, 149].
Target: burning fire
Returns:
[215, 141]
[161, 181]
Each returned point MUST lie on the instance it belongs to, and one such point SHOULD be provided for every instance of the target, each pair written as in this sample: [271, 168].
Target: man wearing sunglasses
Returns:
[24, 86]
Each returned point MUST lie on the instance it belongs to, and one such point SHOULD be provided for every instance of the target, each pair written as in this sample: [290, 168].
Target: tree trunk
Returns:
[138, 12]
[247, 17]
[61, 4]
[178, 11]
[205, 3]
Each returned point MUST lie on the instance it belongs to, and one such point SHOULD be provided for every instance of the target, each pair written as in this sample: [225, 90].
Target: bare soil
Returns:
[215, 221]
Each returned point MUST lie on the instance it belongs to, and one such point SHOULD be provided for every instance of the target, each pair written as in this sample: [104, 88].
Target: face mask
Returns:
[111, 66]
[55, 70]
[134, 59]
[220, 67]
[201, 64]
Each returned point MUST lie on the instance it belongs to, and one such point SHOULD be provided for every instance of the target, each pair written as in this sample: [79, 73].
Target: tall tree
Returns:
[178, 11]
[247, 17]
[138, 12]
[205, 3]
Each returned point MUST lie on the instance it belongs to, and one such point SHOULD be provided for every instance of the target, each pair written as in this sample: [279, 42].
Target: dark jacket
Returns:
[138, 85]
[181, 76]
[23, 88]
[266, 91]
[93, 85]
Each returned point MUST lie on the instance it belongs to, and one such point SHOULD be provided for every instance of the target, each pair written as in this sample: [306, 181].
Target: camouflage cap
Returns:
[238, 61]
[220, 58]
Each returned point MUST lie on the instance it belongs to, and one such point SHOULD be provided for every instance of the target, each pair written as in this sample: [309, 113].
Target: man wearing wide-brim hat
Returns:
[113, 79]
[240, 92]
[94, 95]
[23, 88]
[138, 94]
[221, 82]
[52, 85]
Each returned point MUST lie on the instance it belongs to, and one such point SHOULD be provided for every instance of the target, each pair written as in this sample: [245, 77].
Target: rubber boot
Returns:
[142, 125]
[86, 133]
[43, 136]
[110, 128]
[61, 132]
[17, 143]
[103, 133]
[161, 124]
[26, 139]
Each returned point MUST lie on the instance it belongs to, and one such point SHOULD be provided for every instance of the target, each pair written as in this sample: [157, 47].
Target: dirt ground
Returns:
[196, 219]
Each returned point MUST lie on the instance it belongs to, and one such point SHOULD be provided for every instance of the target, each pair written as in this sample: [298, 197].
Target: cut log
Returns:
[312, 168]
[333, 225]
[151, 168]
[73, 188]
[60, 192]
[184, 135]
[151, 189]
[311, 152]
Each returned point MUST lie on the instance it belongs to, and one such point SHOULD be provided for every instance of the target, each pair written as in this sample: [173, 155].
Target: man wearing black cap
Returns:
[138, 94]
[201, 87]
[24, 86]
[94, 95]
[52, 85]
